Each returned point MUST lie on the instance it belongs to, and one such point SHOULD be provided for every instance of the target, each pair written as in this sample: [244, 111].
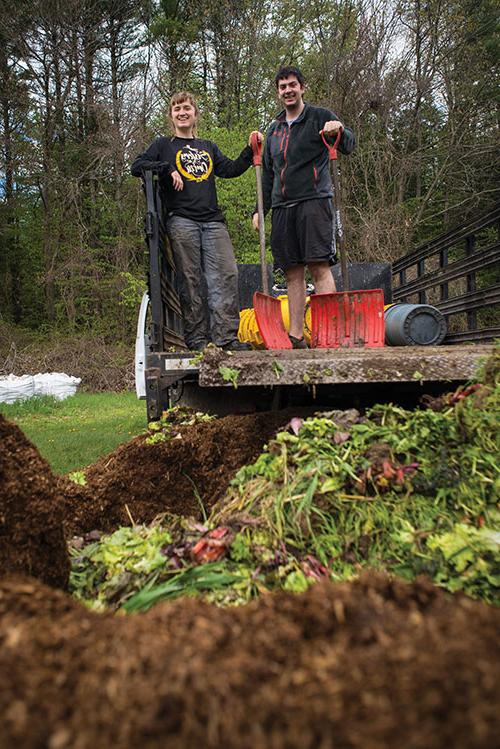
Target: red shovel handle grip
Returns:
[256, 148]
[332, 147]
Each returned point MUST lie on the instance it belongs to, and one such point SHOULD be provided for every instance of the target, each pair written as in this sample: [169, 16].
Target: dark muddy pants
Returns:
[204, 251]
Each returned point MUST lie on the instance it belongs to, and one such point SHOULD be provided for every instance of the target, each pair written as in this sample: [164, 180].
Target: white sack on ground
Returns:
[57, 384]
[14, 388]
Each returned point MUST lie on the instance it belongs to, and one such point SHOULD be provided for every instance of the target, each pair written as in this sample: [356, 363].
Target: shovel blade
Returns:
[347, 319]
[270, 322]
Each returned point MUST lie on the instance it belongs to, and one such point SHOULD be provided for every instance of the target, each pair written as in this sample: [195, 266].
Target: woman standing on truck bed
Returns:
[199, 238]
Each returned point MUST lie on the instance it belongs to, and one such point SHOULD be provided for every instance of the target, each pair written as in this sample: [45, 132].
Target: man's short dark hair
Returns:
[286, 72]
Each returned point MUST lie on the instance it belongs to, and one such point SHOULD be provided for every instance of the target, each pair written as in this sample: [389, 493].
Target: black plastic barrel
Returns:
[414, 325]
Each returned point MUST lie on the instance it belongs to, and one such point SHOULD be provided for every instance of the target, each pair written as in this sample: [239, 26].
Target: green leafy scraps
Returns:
[471, 561]
[377, 494]
[296, 582]
[230, 374]
[167, 426]
[162, 436]
[277, 368]
[129, 552]
[197, 359]
[78, 477]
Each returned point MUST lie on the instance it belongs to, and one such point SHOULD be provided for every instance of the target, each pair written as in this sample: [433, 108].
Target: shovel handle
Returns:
[256, 145]
[332, 147]
[334, 171]
[262, 229]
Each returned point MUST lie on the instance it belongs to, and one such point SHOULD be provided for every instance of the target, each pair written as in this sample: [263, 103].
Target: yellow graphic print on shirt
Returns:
[193, 164]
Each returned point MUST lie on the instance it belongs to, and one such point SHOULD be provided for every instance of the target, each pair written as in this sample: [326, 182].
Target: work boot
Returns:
[236, 346]
[198, 345]
[298, 342]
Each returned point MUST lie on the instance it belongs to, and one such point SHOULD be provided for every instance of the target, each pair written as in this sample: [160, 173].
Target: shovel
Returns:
[346, 318]
[267, 308]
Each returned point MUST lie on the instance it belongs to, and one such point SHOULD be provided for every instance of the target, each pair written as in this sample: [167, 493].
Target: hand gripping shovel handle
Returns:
[334, 171]
[257, 162]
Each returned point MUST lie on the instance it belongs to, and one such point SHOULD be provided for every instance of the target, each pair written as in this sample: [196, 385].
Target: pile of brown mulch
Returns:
[141, 481]
[373, 664]
[31, 530]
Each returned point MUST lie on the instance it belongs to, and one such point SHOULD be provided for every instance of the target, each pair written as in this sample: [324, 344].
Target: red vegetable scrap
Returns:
[449, 399]
[340, 437]
[462, 392]
[389, 474]
[384, 471]
[213, 546]
[311, 567]
[295, 425]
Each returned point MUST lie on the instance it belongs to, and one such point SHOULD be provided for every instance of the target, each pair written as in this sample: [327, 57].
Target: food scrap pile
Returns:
[411, 492]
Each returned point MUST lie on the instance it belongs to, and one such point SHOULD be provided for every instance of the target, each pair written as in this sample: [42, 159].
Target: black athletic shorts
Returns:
[303, 233]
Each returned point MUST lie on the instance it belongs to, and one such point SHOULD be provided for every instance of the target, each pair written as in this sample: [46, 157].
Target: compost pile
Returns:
[184, 467]
[324, 653]
[31, 511]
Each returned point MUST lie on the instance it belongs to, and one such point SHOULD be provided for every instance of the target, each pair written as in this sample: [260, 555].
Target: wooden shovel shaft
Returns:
[334, 171]
[262, 229]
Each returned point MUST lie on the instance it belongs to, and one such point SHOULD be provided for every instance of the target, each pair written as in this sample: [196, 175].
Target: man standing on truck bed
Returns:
[195, 225]
[297, 186]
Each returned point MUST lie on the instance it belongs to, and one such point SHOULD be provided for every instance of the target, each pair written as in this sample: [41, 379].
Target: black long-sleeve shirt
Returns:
[198, 162]
[295, 163]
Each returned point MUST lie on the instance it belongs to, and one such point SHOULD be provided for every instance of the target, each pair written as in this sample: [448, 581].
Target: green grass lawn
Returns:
[75, 432]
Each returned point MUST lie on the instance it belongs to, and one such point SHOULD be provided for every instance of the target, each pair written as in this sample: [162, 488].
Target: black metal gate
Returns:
[458, 272]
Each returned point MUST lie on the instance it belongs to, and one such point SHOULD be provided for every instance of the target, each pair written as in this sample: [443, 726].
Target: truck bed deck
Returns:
[331, 366]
